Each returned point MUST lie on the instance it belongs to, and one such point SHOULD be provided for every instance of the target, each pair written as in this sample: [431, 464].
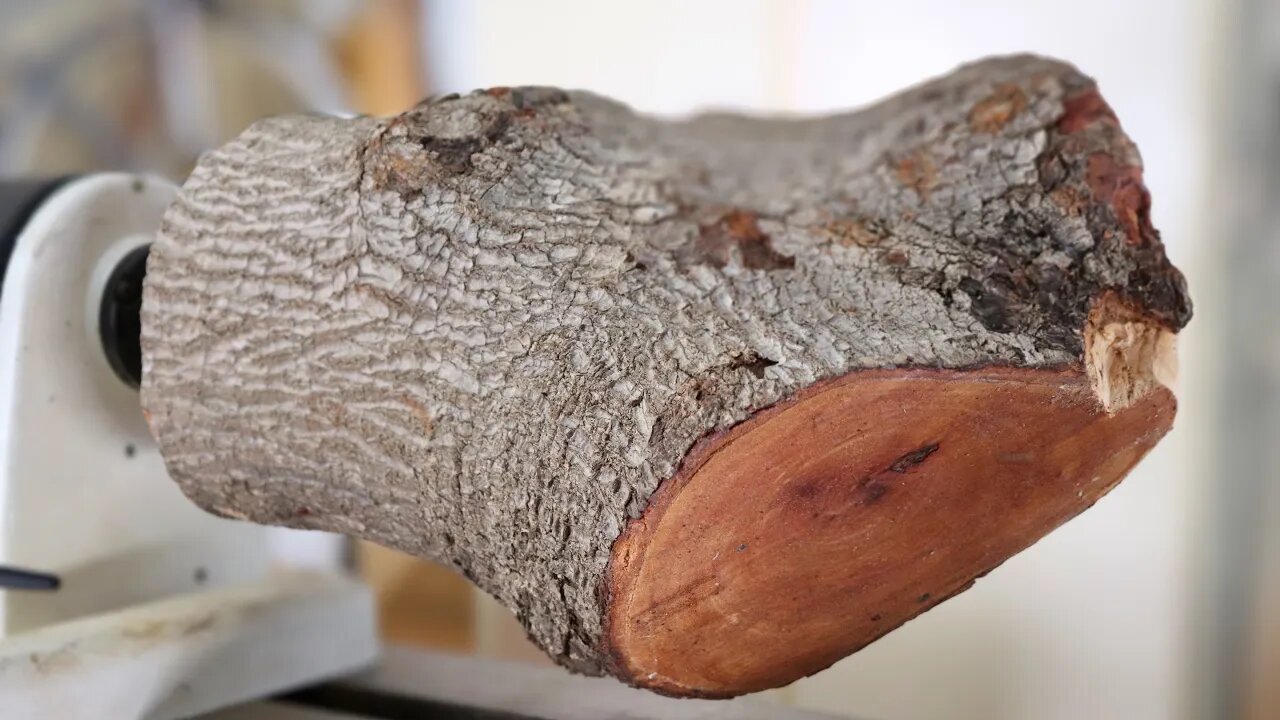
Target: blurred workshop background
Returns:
[1162, 602]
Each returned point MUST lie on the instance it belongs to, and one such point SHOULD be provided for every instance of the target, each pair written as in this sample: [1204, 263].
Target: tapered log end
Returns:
[817, 526]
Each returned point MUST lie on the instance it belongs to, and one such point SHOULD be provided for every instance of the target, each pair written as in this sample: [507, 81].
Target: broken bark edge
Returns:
[773, 570]
[1127, 353]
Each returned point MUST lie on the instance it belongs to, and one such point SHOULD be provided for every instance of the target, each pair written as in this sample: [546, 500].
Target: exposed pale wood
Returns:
[486, 331]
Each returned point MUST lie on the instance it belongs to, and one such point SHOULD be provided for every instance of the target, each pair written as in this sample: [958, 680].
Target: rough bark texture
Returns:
[486, 330]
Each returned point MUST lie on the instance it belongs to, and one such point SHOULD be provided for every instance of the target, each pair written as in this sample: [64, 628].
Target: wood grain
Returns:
[817, 526]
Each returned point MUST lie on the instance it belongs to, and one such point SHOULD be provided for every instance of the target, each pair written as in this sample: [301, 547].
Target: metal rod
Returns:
[12, 578]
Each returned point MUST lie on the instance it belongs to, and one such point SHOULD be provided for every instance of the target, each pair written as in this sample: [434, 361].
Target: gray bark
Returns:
[485, 330]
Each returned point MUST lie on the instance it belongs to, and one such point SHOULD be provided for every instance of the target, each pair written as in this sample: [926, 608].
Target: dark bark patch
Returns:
[740, 230]
[754, 364]
[1083, 171]
[657, 432]
[453, 154]
[993, 112]
[1083, 110]
[635, 264]
[989, 303]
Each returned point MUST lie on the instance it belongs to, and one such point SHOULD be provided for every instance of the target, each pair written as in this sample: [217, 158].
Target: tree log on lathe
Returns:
[709, 404]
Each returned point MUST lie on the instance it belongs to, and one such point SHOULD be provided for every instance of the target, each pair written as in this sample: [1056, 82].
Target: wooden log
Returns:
[709, 404]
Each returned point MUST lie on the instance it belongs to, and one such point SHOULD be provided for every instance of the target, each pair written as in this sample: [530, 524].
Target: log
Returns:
[708, 403]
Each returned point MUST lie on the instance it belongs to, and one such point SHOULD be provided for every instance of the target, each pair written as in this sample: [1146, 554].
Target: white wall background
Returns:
[1095, 621]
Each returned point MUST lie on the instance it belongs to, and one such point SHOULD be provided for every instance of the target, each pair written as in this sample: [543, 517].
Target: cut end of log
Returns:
[1127, 355]
[816, 526]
